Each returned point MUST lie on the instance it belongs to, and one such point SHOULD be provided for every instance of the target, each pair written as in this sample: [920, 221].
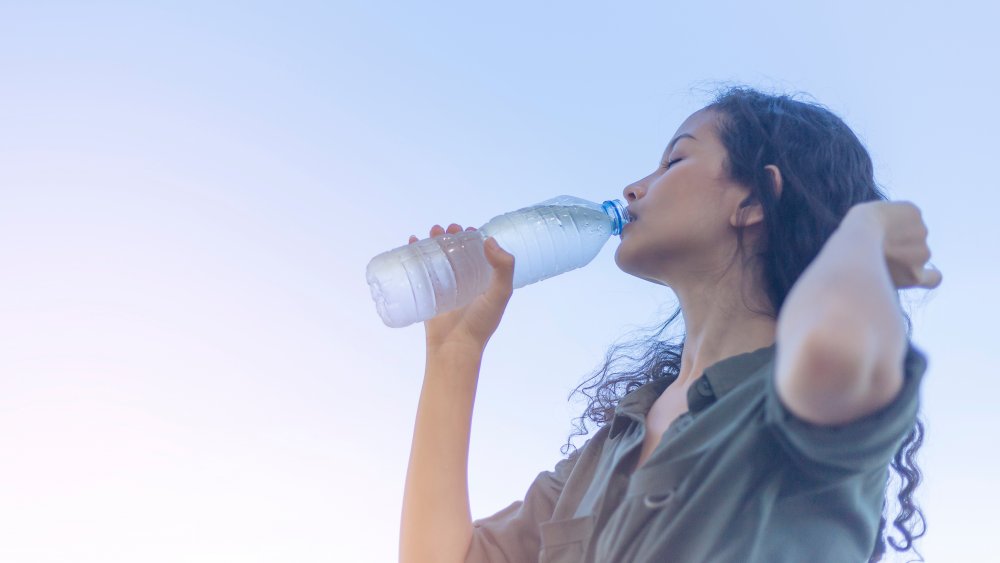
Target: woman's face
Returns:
[684, 210]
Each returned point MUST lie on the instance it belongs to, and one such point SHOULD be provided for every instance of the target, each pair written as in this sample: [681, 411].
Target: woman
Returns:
[767, 433]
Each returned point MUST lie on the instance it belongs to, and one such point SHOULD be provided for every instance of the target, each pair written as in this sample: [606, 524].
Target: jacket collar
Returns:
[718, 379]
[726, 374]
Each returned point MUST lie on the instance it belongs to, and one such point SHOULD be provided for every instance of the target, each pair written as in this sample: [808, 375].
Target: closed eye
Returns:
[671, 163]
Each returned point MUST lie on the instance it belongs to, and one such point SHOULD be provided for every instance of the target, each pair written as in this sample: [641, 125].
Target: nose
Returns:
[634, 191]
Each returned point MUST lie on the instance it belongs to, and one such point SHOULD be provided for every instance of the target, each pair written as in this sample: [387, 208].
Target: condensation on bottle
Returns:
[416, 282]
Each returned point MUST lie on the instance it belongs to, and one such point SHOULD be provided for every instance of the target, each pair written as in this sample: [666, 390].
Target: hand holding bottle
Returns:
[460, 287]
[472, 325]
[429, 277]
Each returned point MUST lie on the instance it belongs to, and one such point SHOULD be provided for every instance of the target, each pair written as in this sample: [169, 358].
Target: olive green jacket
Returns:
[738, 478]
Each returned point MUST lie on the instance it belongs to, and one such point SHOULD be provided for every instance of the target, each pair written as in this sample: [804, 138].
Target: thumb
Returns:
[930, 278]
[501, 260]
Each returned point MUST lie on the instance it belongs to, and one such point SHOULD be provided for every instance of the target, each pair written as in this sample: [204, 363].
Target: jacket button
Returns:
[704, 387]
[658, 500]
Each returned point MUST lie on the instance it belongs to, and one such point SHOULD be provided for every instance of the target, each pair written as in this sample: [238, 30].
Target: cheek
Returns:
[685, 228]
[692, 201]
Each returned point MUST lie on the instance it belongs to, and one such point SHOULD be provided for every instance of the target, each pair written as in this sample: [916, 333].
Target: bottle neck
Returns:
[618, 214]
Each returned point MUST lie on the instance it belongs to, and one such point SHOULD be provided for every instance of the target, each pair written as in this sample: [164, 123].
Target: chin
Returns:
[626, 266]
[657, 282]
[629, 257]
[630, 268]
[621, 262]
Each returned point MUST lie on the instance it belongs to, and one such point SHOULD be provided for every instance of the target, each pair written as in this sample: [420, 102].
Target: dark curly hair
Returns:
[825, 170]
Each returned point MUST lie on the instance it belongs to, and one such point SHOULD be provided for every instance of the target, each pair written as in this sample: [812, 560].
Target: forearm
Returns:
[436, 521]
[845, 301]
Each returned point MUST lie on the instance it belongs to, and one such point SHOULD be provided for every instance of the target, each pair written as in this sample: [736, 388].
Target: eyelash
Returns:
[672, 162]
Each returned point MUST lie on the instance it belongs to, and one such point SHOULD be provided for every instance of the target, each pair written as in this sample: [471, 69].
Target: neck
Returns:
[719, 324]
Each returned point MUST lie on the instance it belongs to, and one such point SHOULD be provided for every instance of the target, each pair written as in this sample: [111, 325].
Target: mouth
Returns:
[626, 226]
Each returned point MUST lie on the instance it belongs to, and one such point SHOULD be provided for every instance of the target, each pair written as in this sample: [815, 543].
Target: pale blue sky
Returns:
[191, 367]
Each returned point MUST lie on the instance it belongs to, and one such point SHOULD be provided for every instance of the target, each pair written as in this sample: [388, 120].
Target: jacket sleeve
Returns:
[860, 445]
[512, 534]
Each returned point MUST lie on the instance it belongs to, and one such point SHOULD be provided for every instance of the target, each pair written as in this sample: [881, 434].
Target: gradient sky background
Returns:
[191, 366]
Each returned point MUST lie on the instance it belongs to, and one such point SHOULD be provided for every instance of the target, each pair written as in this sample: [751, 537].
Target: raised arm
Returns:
[436, 520]
[841, 337]
[436, 524]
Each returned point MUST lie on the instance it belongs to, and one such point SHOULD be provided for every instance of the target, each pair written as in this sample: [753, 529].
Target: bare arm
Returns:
[841, 334]
[437, 522]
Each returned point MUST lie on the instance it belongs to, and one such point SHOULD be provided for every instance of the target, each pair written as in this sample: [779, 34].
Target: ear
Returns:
[750, 212]
[775, 179]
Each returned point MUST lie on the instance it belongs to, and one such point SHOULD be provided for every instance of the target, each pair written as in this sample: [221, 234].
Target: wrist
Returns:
[862, 222]
[460, 348]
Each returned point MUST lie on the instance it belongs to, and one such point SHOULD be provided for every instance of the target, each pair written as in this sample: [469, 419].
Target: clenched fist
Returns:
[904, 241]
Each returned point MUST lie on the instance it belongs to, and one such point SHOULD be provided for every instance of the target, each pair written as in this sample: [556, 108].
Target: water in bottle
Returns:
[418, 281]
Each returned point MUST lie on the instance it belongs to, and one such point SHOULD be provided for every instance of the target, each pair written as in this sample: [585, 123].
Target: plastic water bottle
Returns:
[415, 282]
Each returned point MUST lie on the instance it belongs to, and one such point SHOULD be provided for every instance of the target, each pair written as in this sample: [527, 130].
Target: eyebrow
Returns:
[678, 138]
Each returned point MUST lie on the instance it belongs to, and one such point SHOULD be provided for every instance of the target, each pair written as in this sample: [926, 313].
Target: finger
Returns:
[501, 285]
[930, 278]
[497, 255]
[437, 230]
[470, 228]
[413, 239]
[454, 228]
